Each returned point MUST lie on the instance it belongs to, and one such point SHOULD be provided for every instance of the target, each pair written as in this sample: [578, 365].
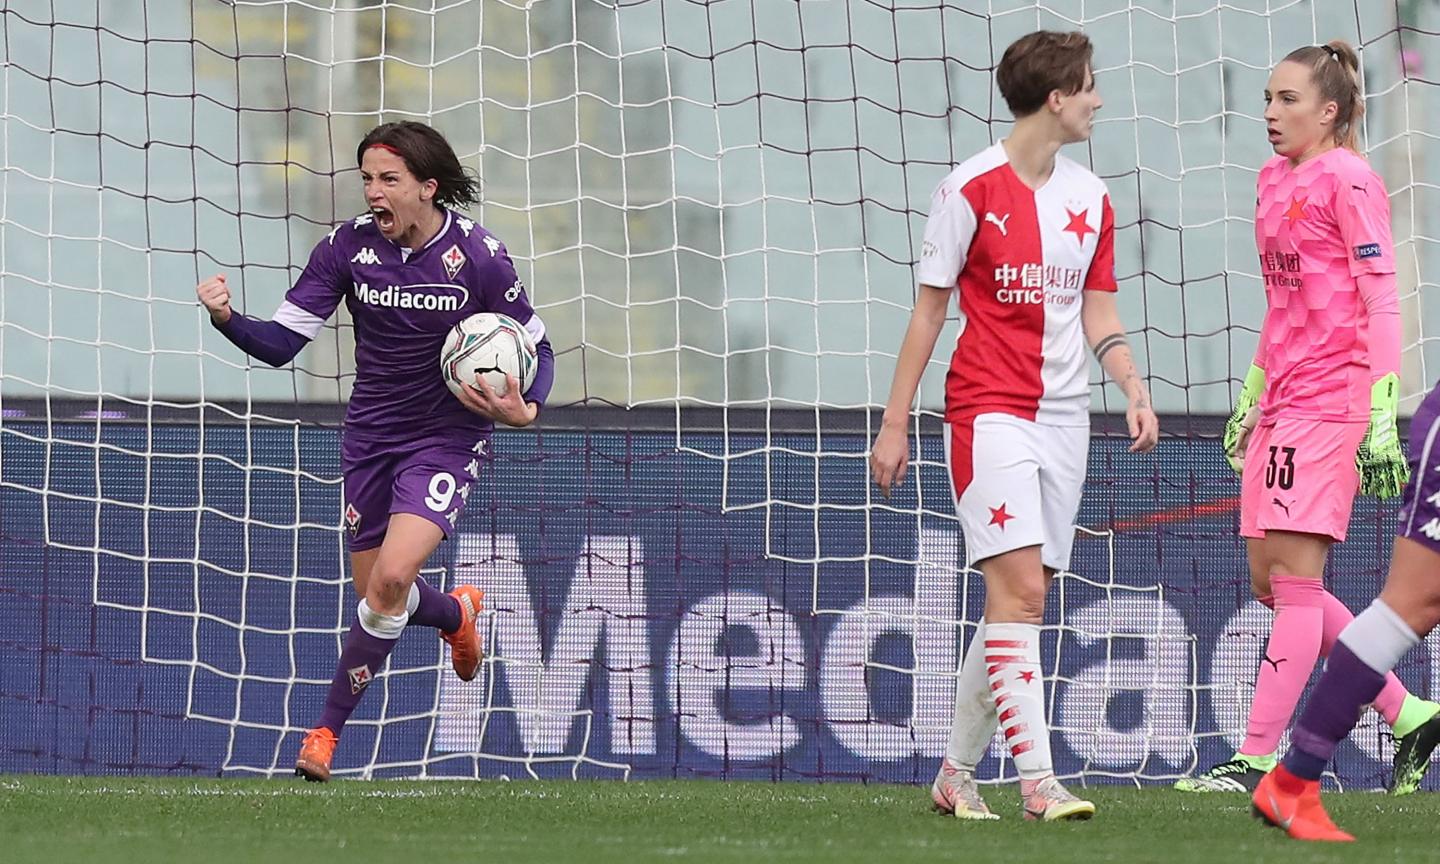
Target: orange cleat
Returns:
[316, 751]
[465, 649]
[1292, 803]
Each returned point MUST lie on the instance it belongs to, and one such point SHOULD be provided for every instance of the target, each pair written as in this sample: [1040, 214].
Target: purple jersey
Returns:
[403, 303]
[1420, 508]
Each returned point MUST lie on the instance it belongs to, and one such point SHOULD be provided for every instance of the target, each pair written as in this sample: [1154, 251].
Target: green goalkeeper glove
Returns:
[1380, 459]
[1235, 430]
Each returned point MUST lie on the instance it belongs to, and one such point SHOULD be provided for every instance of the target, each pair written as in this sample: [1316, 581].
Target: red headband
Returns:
[386, 147]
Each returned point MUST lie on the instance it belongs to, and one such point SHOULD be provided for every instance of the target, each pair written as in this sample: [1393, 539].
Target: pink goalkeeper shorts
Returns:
[1300, 476]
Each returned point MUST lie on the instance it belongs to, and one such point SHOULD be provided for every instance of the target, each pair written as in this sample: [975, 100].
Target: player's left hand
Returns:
[1380, 460]
[1143, 424]
[510, 409]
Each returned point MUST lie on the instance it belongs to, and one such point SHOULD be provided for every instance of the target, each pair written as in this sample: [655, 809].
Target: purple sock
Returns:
[436, 609]
[360, 659]
[1347, 686]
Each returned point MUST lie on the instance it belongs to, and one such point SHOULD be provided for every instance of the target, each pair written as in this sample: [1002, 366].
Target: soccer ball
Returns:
[488, 344]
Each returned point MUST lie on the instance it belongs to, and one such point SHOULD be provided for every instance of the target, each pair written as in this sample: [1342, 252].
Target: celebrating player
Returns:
[1027, 236]
[1358, 670]
[1316, 416]
[411, 450]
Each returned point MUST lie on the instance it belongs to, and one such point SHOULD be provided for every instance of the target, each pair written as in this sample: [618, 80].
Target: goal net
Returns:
[717, 209]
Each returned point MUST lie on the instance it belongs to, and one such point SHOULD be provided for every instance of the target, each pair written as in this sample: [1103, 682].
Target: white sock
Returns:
[1012, 661]
[412, 601]
[974, 723]
[1379, 637]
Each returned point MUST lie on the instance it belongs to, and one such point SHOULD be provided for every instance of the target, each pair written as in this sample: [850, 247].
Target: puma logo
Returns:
[1281, 504]
[1274, 664]
[998, 222]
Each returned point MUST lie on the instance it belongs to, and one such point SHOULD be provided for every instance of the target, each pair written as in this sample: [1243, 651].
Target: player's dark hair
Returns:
[429, 157]
[1037, 64]
[1335, 72]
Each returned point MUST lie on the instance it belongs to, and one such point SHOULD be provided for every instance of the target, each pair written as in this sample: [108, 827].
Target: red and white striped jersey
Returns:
[1021, 259]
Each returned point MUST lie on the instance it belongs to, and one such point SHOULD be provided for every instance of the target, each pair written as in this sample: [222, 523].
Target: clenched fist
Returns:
[214, 295]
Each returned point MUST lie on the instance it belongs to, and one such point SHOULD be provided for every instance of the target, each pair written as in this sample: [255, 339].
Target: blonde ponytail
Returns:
[1335, 71]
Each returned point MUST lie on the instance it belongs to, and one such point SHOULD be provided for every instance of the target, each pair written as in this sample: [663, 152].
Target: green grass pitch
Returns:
[95, 819]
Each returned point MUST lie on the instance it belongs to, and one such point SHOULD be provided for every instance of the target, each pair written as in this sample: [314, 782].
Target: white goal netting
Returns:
[716, 207]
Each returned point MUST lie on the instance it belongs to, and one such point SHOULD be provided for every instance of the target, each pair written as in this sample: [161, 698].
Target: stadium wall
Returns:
[721, 603]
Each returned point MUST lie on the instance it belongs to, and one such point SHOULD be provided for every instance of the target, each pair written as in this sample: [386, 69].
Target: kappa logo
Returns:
[998, 222]
[360, 678]
[465, 225]
[493, 245]
[1431, 529]
[364, 219]
[365, 256]
[454, 259]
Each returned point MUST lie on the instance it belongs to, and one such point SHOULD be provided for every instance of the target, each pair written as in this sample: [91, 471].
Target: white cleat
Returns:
[1051, 802]
[954, 791]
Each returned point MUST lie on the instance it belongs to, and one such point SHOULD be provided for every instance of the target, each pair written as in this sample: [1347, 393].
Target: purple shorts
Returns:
[1420, 508]
[430, 478]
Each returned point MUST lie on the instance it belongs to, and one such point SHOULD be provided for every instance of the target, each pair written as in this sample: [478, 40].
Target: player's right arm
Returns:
[1246, 412]
[1247, 405]
[306, 307]
[948, 233]
[268, 341]
[890, 457]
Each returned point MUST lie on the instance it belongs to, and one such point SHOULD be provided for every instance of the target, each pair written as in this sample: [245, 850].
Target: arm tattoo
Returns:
[1104, 345]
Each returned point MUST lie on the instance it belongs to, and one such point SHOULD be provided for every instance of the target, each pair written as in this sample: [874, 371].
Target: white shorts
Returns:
[1017, 483]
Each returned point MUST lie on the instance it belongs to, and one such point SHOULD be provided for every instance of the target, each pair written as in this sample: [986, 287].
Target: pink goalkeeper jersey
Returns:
[1318, 226]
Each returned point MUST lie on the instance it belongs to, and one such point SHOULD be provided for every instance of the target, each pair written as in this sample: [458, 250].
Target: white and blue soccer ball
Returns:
[488, 344]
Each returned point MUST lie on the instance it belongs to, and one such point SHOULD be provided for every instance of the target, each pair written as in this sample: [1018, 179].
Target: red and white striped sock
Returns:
[1012, 661]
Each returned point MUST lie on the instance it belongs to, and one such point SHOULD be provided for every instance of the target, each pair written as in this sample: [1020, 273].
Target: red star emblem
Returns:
[1296, 212]
[998, 516]
[1027, 676]
[1078, 225]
